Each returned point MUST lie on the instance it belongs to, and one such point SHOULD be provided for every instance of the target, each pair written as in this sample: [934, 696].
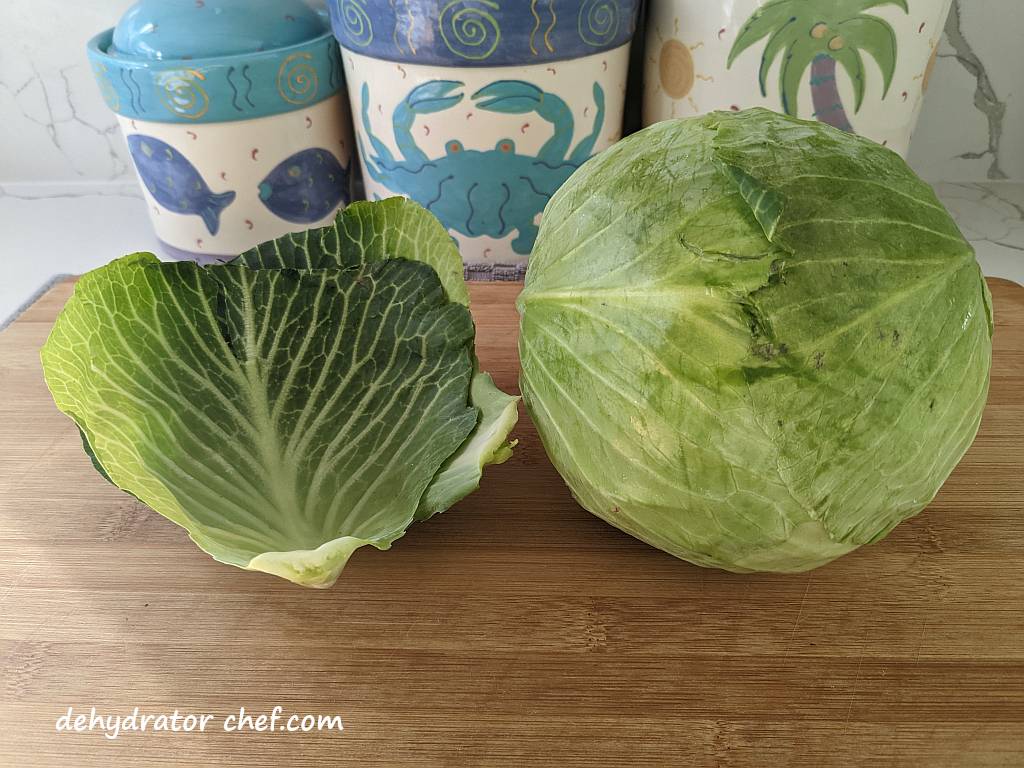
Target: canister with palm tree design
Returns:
[859, 65]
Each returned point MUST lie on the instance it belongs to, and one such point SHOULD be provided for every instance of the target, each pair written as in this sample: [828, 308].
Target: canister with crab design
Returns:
[235, 115]
[480, 109]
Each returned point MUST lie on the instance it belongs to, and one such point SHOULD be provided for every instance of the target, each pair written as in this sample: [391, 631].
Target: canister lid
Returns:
[198, 29]
[187, 61]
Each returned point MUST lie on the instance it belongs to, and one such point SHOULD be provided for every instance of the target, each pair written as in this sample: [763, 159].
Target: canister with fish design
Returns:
[235, 115]
[859, 65]
[480, 109]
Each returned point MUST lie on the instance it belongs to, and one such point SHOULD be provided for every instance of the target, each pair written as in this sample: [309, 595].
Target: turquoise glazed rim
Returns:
[482, 33]
[202, 29]
[217, 88]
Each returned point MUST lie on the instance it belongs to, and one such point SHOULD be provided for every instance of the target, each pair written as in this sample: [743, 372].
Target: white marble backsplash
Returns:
[56, 127]
[972, 122]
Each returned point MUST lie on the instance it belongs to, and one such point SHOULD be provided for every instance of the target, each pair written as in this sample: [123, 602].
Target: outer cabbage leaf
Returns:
[754, 342]
[283, 418]
[363, 232]
[874, 328]
[397, 227]
[488, 444]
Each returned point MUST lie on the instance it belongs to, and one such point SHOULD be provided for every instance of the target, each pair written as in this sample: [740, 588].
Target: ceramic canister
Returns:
[860, 65]
[235, 115]
[480, 109]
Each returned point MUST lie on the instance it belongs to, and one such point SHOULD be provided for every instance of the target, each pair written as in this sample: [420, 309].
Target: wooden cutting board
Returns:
[515, 629]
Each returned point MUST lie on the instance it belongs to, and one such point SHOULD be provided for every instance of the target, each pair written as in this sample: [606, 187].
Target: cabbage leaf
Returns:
[284, 416]
[397, 228]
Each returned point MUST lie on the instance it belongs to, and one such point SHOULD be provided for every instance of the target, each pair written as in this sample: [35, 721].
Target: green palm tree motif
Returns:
[819, 34]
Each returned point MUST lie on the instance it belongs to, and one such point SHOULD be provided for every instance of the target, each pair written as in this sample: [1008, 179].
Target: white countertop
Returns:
[47, 231]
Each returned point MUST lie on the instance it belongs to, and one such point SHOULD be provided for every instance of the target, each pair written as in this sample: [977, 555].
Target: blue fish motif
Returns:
[305, 187]
[175, 183]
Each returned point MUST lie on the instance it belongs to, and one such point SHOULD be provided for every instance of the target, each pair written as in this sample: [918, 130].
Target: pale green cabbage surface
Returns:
[754, 342]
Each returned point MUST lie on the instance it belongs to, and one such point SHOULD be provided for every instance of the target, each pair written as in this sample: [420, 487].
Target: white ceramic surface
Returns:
[474, 128]
[687, 69]
[238, 156]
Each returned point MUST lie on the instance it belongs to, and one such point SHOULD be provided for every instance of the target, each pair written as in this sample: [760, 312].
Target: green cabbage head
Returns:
[318, 394]
[754, 342]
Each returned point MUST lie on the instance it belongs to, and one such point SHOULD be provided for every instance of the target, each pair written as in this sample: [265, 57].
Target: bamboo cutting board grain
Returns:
[515, 629]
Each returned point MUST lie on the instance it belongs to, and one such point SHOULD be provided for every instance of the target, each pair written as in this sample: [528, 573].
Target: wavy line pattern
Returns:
[551, 27]
[128, 82]
[234, 90]
[533, 187]
[536, 26]
[440, 192]
[501, 208]
[469, 203]
[410, 38]
[131, 93]
[248, 86]
[394, 30]
[137, 89]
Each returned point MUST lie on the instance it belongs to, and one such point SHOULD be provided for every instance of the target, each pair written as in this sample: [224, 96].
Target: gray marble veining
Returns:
[985, 98]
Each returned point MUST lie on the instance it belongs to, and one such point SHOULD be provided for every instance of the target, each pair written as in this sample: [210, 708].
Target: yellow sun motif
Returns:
[930, 68]
[676, 69]
[926, 76]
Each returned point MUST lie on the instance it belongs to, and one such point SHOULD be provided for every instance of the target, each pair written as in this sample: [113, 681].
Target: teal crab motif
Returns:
[473, 192]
